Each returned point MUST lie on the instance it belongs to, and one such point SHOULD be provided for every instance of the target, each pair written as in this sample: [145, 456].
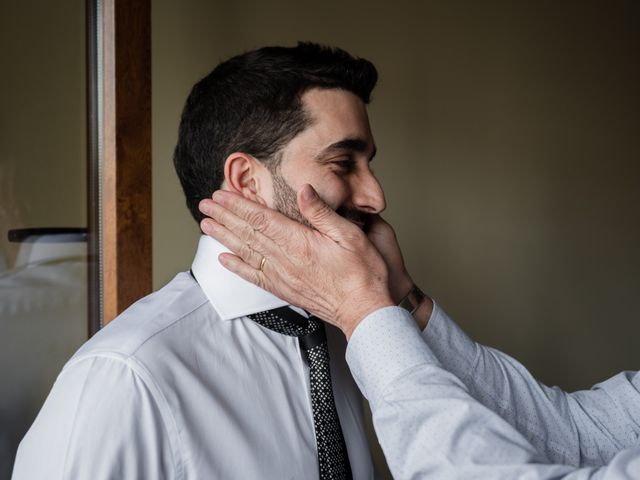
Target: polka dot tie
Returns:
[332, 451]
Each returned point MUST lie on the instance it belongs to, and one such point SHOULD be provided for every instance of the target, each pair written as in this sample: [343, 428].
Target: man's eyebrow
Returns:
[352, 144]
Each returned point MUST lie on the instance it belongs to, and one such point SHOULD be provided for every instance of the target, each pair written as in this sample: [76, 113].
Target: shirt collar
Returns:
[230, 295]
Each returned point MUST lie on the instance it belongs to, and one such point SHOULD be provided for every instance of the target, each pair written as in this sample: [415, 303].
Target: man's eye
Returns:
[345, 165]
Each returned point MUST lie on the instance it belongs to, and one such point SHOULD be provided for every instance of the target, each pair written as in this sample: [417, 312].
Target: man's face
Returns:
[333, 155]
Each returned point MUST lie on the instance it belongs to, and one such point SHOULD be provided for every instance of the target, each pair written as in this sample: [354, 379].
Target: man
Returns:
[212, 377]
[443, 406]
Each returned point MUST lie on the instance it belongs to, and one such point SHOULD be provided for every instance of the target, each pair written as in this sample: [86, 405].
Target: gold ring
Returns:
[264, 260]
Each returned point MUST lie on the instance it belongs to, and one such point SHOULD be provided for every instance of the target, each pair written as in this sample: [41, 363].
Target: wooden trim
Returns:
[126, 167]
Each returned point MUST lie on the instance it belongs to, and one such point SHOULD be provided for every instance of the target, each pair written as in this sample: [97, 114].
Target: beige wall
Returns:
[509, 149]
[42, 119]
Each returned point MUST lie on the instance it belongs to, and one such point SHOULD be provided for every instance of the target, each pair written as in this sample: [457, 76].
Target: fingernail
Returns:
[203, 206]
[223, 258]
[206, 225]
[308, 193]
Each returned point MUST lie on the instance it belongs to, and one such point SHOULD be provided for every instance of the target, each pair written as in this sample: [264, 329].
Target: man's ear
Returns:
[245, 175]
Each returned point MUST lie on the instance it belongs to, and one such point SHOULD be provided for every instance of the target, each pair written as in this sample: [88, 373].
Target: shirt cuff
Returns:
[454, 349]
[383, 346]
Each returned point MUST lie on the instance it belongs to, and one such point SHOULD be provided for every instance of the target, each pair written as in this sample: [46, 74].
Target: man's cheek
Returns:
[335, 194]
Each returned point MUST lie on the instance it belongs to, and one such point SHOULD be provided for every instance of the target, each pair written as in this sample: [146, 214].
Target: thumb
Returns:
[320, 215]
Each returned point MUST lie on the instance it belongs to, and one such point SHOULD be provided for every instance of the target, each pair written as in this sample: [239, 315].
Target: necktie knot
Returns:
[285, 321]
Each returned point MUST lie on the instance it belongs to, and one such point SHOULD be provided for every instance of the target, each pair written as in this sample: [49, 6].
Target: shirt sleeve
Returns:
[102, 420]
[430, 426]
[586, 428]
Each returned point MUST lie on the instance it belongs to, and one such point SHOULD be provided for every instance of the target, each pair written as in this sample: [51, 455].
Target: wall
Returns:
[42, 119]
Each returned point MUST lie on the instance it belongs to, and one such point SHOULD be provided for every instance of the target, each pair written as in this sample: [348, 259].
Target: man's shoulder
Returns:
[152, 321]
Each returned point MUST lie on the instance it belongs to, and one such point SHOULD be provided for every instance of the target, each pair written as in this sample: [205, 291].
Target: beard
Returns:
[285, 200]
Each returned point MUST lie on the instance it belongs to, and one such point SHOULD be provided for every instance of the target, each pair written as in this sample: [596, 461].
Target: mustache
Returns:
[355, 215]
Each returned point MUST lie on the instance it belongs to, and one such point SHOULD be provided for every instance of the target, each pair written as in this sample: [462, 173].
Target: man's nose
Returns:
[368, 195]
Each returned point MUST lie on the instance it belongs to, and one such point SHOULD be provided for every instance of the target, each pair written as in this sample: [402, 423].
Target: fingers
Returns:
[236, 265]
[375, 222]
[239, 234]
[232, 242]
[321, 216]
[262, 219]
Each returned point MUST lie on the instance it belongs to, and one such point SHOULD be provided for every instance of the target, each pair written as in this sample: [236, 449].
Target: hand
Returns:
[381, 234]
[334, 272]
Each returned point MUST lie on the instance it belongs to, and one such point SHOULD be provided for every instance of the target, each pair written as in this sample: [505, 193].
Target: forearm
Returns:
[582, 429]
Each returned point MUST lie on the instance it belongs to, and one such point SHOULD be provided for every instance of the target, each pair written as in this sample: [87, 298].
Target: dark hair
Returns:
[252, 103]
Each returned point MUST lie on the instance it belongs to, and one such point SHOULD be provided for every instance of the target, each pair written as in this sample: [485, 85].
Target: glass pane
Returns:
[43, 274]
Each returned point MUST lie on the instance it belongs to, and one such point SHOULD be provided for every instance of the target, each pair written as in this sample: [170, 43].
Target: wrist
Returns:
[422, 314]
[361, 307]
[400, 286]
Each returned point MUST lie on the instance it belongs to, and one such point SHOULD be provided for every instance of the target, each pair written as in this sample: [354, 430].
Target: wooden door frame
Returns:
[119, 148]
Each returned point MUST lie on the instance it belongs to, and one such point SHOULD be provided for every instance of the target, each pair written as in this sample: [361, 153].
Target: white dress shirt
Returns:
[183, 386]
[43, 320]
[445, 407]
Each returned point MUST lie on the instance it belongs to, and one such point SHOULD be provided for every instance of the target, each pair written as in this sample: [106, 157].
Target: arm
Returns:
[100, 421]
[430, 426]
[582, 428]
